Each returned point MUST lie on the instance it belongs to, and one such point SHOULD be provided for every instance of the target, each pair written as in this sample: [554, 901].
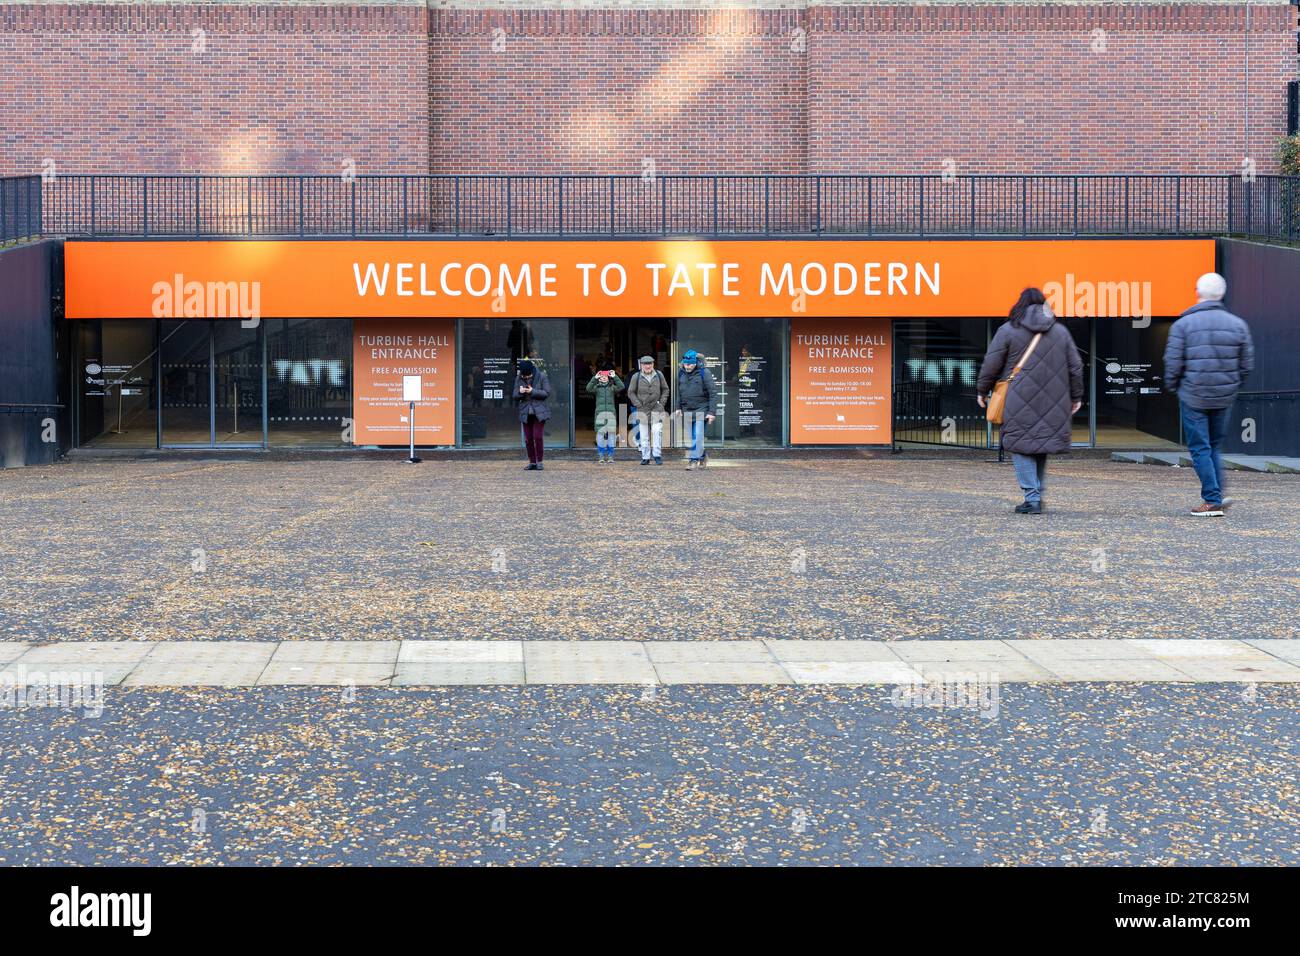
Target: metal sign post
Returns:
[411, 394]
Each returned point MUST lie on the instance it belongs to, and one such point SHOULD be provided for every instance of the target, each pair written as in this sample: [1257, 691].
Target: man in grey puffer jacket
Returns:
[1208, 356]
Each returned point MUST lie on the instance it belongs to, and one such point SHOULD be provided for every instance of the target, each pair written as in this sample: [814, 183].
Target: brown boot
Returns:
[1207, 510]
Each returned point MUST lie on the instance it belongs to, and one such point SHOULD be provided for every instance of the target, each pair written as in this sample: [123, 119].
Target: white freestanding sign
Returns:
[411, 395]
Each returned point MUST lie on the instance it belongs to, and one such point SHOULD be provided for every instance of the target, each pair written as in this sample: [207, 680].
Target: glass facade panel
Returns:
[755, 364]
[237, 375]
[308, 381]
[185, 352]
[705, 336]
[212, 381]
[1133, 409]
[936, 366]
[117, 402]
[490, 351]
[1081, 429]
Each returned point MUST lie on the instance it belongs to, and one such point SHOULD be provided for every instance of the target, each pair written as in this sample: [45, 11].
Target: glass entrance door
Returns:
[619, 344]
[185, 364]
[211, 384]
[237, 384]
[1133, 408]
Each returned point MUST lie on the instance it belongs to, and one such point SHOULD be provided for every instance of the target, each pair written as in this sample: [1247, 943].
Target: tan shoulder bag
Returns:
[998, 397]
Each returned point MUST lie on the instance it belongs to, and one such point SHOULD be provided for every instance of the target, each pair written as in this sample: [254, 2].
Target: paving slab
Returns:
[1113, 670]
[438, 663]
[327, 673]
[89, 652]
[151, 673]
[461, 652]
[10, 650]
[1245, 463]
[1275, 464]
[911, 651]
[1180, 650]
[625, 671]
[66, 672]
[1164, 457]
[852, 672]
[1287, 650]
[336, 652]
[672, 652]
[1231, 669]
[212, 652]
[723, 672]
[455, 673]
[999, 670]
[1283, 465]
[556, 652]
[1081, 650]
[788, 651]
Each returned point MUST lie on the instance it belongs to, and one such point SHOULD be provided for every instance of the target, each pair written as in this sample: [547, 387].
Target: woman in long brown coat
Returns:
[1041, 399]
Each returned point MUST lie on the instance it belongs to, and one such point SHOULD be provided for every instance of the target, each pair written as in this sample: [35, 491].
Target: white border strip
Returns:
[487, 663]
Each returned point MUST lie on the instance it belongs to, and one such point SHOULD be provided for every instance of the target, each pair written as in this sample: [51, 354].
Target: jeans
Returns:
[1203, 430]
[1031, 472]
[650, 437]
[696, 418]
[533, 441]
[606, 433]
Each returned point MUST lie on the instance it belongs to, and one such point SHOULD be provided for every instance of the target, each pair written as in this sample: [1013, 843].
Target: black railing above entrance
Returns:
[596, 206]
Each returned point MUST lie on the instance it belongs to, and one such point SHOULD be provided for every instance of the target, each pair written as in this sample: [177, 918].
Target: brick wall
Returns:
[133, 88]
[483, 85]
[694, 91]
[1157, 88]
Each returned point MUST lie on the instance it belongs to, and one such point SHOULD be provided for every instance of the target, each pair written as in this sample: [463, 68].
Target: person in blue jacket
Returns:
[697, 397]
[1208, 356]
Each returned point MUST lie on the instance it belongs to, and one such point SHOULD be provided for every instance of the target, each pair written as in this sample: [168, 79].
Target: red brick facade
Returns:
[1021, 89]
[262, 89]
[405, 89]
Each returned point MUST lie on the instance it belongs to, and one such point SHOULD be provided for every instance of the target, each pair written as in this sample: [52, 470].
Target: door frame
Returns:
[212, 389]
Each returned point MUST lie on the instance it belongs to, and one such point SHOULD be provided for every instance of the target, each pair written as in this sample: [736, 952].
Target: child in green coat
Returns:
[605, 384]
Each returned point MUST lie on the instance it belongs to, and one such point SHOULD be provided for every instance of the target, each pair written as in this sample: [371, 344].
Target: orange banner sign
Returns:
[841, 375]
[384, 352]
[635, 279]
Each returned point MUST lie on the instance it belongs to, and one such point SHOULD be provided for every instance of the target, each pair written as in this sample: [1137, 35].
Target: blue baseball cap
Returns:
[691, 357]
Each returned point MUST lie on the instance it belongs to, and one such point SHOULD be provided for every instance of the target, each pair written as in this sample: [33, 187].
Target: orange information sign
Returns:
[634, 279]
[384, 353]
[841, 374]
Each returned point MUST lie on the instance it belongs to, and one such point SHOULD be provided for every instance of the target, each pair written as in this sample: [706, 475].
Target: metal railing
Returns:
[20, 208]
[595, 206]
[925, 414]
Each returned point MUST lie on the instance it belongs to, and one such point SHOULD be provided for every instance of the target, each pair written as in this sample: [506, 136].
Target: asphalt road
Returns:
[1053, 774]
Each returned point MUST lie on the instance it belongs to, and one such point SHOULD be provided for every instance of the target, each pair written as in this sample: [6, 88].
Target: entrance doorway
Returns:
[211, 384]
[618, 344]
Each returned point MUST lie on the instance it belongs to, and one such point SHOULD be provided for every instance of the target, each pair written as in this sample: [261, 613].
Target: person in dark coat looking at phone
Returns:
[532, 390]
